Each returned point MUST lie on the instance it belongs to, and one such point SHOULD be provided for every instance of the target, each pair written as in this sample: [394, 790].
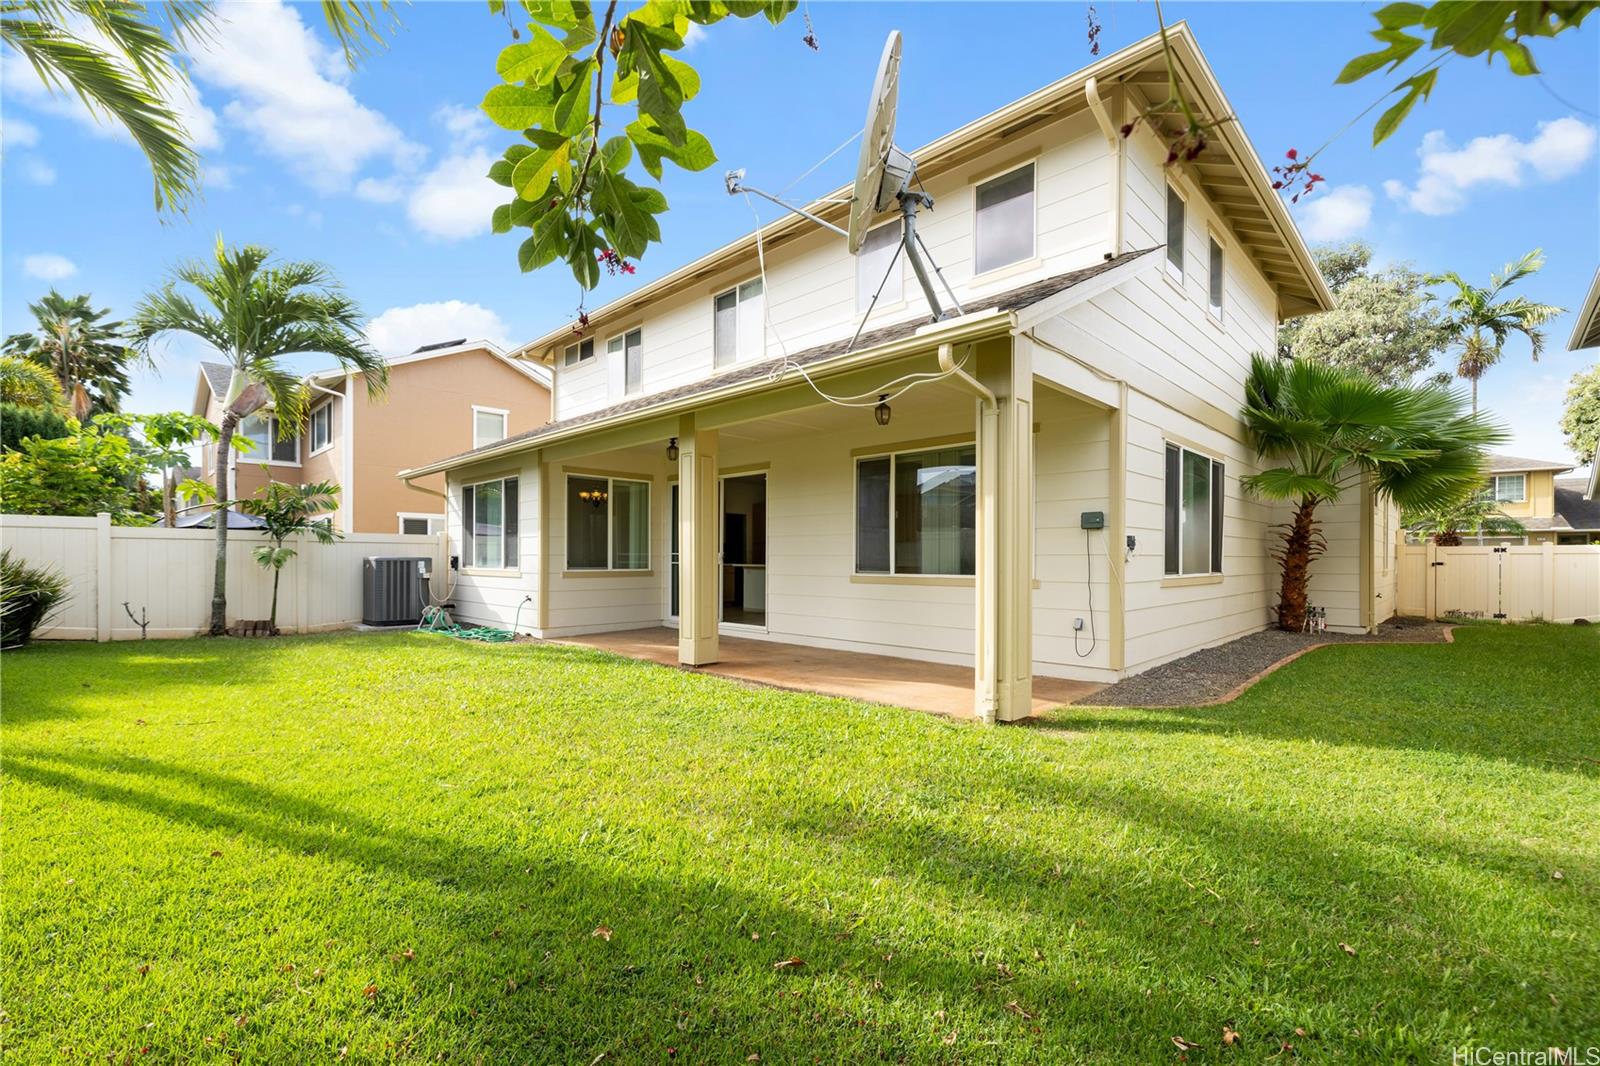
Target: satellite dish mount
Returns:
[885, 176]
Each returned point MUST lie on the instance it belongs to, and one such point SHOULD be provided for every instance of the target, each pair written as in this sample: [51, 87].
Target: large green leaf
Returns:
[572, 110]
[535, 58]
[516, 107]
[532, 176]
[694, 153]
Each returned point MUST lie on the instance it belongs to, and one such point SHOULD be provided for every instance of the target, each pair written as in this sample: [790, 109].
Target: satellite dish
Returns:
[877, 144]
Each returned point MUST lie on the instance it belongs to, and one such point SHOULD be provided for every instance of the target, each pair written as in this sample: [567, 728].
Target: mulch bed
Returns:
[1216, 675]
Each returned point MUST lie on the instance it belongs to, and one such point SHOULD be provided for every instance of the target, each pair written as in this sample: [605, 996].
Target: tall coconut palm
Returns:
[88, 355]
[1329, 430]
[1483, 319]
[254, 313]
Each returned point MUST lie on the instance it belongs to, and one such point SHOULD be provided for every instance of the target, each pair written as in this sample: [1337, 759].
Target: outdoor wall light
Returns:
[881, 412]
[594, 498]
[672, 450]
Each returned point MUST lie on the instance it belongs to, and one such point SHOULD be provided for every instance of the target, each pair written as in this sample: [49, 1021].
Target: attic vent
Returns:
[441, 344]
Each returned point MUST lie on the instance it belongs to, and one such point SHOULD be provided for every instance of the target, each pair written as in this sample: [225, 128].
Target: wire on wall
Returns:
[1088, 583]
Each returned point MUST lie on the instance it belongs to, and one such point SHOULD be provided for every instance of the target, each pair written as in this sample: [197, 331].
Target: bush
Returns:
[81, 475]
[17, 423]
[29, 597]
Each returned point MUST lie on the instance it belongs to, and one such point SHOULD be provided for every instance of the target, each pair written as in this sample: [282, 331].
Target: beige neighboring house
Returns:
[441, 398]
[1059, 497]
[1586, 334]
[1553, 509]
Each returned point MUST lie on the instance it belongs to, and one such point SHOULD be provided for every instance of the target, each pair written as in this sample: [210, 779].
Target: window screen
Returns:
[1175, 225]
[1004, 224]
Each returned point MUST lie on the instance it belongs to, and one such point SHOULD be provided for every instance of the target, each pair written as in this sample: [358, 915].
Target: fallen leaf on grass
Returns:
[287, 967]
[950, 1037]
[241, 1020]
[144, 969]
[1346, 948]
[216, 853]
[371, 991]
[1184, 1045]
[1230, 1037]
[1299, 1031]
[754, 1056]
[603, 932]
[1016, 1008]
[788, 964]
[1557, 875]
[511, 984]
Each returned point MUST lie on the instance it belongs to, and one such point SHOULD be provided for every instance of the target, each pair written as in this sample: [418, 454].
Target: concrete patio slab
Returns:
[885, 679]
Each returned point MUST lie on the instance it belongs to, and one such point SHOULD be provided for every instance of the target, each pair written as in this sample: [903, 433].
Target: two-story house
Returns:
[1552, 509]
[1045, 484]
[441, 398]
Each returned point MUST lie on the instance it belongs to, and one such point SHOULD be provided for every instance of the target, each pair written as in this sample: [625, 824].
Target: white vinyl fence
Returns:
[168, 573]
[1553, 582]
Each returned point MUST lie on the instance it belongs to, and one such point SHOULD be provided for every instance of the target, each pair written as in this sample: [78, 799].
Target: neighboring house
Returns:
[1586, 334]
[1552, 509]
[441, 398]
[1059, 496]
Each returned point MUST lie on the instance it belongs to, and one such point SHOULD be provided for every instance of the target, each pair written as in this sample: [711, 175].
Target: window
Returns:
[1509, 488]
[608, 523]
[1176, 212]
[581, 352]
[488, 425]
[322, 427]
[630, 349]
[263, 430]
[739, 324]
[420, 523]
[879, 264]
[1003, 230]
[916, 512]
[1194, 513]
[489, 524]
[1214, 280]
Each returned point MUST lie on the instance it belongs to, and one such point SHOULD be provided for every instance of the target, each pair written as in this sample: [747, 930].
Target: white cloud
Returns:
[693, 35]
[386, 191]
[455, 199]
[218, 176]
[47, 266]
[287, 91]
[1337, 213]
[312, 217]
[36, 170]
[15, 133]
[400, 330]
[466, 125]
[1446, 173]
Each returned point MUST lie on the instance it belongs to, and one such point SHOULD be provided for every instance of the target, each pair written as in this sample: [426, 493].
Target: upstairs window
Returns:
[630, 349]
[879, 263]
[1176, 220]
[1195, 495]
[322, 427]
[1509, 488]
[916, 512]
[489, 524]
[581, 352]
[739, 327]
[1003, 229]
[263, 431]
[1214, 280]
[488, 425]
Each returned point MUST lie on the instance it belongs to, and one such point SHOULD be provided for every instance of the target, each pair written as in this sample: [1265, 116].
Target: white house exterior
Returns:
[1094, 356]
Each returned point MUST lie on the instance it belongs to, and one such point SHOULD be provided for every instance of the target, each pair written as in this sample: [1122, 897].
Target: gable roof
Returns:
[538, 374]
[218, 376]
[1230, 173]
[1515, 464]
[743, 377]
[1586, 330]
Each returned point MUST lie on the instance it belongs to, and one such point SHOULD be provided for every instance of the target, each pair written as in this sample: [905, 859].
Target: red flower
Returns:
[1292, 154]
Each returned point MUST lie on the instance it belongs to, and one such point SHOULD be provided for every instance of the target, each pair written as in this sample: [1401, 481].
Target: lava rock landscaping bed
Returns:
[1212, 674]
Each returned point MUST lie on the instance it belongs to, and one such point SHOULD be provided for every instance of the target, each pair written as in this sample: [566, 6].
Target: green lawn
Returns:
[412, 848]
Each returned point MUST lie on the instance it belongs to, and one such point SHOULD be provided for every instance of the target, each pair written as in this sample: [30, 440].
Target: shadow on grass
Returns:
[1490, 695]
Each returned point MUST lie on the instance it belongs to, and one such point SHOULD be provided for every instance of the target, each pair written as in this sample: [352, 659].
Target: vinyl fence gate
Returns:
[1514, 583]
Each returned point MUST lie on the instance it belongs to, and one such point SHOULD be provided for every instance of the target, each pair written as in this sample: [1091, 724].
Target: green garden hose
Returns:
[435, 620]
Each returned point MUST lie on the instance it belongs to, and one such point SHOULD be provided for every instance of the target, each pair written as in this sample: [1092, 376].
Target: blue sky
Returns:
[377, 172]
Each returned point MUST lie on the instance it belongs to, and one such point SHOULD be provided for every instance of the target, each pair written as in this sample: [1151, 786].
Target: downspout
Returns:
[1113, 136]
[986, 653]
[348, 427]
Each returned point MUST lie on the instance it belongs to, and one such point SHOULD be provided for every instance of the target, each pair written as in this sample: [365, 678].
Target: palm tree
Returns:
[126, 65]
[29, 385]
[284, 511]
[255, 314]
[1477, 515]
[87, 354]
[1332, 429]
[1482, 320]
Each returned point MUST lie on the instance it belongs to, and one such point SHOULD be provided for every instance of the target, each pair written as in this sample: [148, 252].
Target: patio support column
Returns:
[1003, 641]
[697, 544]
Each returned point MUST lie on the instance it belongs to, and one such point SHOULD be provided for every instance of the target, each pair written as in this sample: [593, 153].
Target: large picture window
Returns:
[916, 512]
[608, 523]
[489, 524]
[263, 430]
[1195, 495]
[739, 326]
[1003, 231]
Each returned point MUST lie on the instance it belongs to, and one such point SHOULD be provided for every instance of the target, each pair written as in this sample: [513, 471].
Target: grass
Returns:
[404, 848]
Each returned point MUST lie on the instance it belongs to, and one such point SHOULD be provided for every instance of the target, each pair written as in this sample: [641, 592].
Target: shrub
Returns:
[17, 423]
[29, 597]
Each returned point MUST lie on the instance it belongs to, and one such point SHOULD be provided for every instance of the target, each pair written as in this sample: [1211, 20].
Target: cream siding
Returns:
[492, 598]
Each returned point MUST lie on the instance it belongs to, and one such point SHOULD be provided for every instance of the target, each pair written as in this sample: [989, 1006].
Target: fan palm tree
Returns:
[254, 313]
[1483, 319]
[87, 354]
[1329, 430]
[286, 510]
[126, 65]
[1477, 515]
